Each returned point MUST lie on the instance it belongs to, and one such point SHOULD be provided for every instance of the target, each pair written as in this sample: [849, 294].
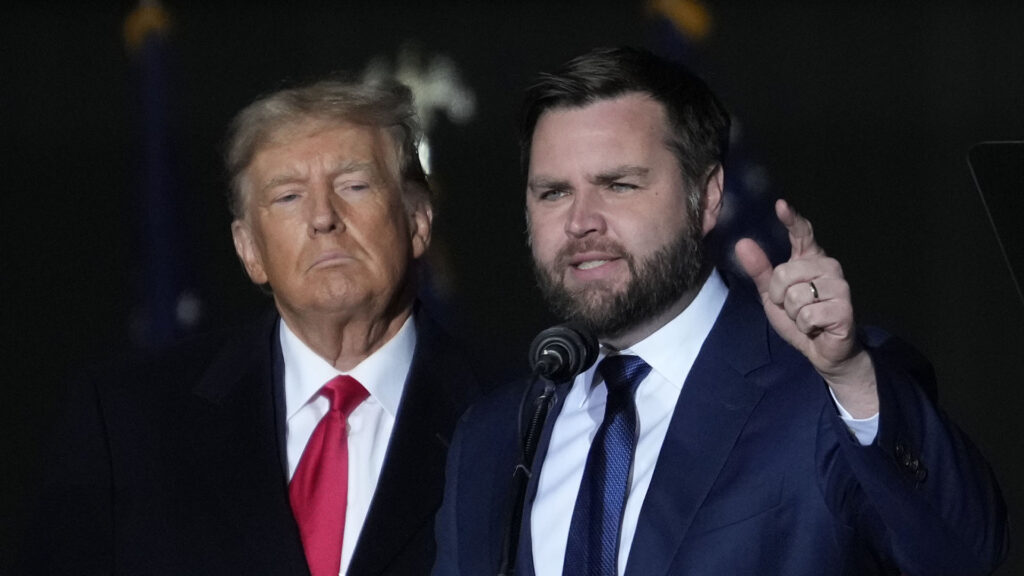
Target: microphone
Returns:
[557, 354]
[561, 352]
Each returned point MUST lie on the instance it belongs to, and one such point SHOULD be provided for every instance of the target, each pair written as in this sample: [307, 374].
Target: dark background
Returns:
[861, 115]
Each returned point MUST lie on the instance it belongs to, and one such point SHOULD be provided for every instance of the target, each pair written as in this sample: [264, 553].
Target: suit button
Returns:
[906, 460]
[899, 449]
[914, 465]
[922, 473]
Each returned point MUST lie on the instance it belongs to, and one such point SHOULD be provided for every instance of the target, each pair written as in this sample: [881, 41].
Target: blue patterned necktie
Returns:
[593, 545]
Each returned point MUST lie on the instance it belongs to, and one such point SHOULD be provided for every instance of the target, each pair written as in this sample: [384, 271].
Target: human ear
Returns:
[248, 252]
[421, 219]
[711, 198]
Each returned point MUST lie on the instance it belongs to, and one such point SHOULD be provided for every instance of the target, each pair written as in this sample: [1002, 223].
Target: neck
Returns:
[345, 341]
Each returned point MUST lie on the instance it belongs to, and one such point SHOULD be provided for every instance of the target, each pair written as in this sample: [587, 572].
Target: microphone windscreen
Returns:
[561, 352]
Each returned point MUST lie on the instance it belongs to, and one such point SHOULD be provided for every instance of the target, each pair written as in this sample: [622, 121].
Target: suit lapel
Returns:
[242, 439]
[411, 482]
[713, 407]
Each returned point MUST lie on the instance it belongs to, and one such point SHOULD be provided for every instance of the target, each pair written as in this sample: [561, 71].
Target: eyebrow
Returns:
[619, 172]
[601, 179]
[548, 184]
[281, 181]
[346, 168]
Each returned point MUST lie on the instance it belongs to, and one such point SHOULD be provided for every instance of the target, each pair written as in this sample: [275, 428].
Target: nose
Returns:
[324, 217]
[585, 215]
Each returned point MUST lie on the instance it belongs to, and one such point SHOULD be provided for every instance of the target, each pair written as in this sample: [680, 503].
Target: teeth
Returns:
[590, 264]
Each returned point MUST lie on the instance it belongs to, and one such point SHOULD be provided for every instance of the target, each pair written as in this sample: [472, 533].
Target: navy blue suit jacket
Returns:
[177, 465]
[758, 474]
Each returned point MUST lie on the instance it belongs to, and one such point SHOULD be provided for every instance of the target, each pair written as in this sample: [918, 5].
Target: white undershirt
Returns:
[383, 374]
[671, 352]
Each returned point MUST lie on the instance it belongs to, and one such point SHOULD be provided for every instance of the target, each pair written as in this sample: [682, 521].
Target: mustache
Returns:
[574, 247]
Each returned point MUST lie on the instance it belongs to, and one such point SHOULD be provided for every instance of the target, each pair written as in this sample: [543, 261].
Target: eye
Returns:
[554, 194]
[286, 198]
[622, 186]
[352, 187]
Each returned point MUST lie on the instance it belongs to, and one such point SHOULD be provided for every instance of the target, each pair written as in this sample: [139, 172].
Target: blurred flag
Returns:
[677, 30]
[165, 306]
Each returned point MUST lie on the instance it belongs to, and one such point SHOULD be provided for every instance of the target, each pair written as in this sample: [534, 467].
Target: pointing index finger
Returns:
[801, 233]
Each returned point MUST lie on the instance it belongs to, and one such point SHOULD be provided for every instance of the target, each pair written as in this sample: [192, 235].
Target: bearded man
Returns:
[730, 425]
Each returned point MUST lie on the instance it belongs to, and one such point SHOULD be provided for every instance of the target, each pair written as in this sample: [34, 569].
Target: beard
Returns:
[655, 284]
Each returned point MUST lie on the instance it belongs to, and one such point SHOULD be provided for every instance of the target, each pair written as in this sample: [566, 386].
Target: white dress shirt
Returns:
[671, 352]
[383, 375]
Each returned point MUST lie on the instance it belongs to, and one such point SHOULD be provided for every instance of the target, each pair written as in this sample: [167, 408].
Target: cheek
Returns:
[543, 245]
[281, 249]
[544, 228]
[546, 256]
[388, 243]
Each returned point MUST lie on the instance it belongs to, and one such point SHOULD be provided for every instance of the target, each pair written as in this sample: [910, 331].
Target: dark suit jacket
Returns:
[758, 474]
[177, 466]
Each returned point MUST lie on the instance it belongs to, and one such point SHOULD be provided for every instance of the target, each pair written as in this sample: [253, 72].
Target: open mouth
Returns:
[590, 264]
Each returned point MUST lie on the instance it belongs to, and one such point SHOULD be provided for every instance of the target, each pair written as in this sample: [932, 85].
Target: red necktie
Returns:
[319, 488]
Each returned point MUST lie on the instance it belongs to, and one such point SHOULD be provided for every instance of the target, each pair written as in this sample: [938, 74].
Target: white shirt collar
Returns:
[383, 373]
[672, 349]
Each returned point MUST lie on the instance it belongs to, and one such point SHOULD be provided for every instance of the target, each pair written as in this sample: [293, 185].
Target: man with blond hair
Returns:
[313, 440]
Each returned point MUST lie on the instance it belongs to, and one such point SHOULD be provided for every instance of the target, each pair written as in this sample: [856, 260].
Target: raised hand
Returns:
[807, 301]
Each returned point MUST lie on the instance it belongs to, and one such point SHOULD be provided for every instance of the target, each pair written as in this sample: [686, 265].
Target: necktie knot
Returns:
[344, 394]
[623, 373]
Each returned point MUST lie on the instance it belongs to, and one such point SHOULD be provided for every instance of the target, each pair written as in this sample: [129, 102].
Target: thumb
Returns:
[755, 263]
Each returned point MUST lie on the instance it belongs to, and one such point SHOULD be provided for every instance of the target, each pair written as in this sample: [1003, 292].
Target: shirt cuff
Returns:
[864, 429]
